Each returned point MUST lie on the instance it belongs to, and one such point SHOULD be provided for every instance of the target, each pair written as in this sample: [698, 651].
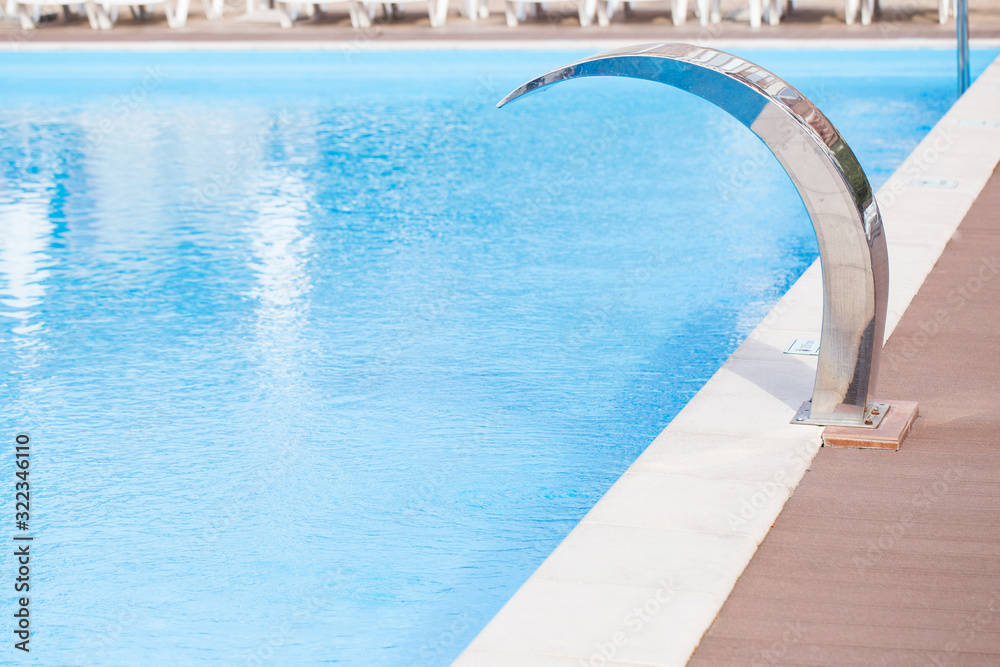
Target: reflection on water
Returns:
[323, 358]
[26, 232]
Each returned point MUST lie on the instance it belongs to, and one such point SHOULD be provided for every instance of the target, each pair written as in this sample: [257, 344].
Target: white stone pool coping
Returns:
[643, 575]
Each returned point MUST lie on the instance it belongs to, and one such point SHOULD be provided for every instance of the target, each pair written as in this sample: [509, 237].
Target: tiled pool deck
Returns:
[878, 557]
[893, 558]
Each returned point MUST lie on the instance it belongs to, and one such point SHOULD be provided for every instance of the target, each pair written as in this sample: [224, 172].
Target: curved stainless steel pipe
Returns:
[830, 181]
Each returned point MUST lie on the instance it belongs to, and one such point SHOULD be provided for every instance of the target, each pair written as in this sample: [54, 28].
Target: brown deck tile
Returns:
[861, 595]
[863, 616]
[799, 523]
[893, 558]
[762, 652]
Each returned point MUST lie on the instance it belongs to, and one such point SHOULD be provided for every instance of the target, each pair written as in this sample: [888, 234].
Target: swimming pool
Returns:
[321, 358]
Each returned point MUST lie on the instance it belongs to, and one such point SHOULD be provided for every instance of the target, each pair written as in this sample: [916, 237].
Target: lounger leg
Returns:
[754, 13]
[92, 16]
[678, 11]
[850, 11]
[284, 18]
[437, 12]
[177, 16]
[603, 19]
[27, 23]
[510, 12]
[703, 12]
[586, 9]
[773, 12]
[106, 16]
[943, 11]
[867, 10]
[98, 16]
[213, 9]
[359, 15]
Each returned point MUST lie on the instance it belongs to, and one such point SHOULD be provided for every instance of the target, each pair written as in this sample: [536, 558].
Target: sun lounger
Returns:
[29, 11]
[107, 11]
[516, 11]
[103, 15]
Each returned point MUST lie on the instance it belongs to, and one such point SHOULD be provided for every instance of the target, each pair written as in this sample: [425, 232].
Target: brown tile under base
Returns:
[889, 434]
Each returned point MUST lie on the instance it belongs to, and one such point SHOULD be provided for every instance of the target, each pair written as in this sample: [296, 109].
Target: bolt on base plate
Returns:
[874, 413]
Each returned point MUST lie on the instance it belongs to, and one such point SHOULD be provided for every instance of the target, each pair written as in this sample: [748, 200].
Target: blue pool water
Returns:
[321, 355]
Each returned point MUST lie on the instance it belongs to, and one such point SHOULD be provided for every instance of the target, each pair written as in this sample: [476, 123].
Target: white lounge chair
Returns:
[102, 15]
[678, 9]
[437, 10]
[476, 9]
[285, 12]
[774, 10]
[106, 11]
[870, 9]
[30, 11]
[516, 11]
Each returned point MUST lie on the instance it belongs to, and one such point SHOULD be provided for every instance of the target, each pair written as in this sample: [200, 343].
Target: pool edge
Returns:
[351, 47]
[643, 575]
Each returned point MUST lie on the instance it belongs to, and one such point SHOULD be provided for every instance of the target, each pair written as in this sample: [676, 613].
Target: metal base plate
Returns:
[874, 413]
